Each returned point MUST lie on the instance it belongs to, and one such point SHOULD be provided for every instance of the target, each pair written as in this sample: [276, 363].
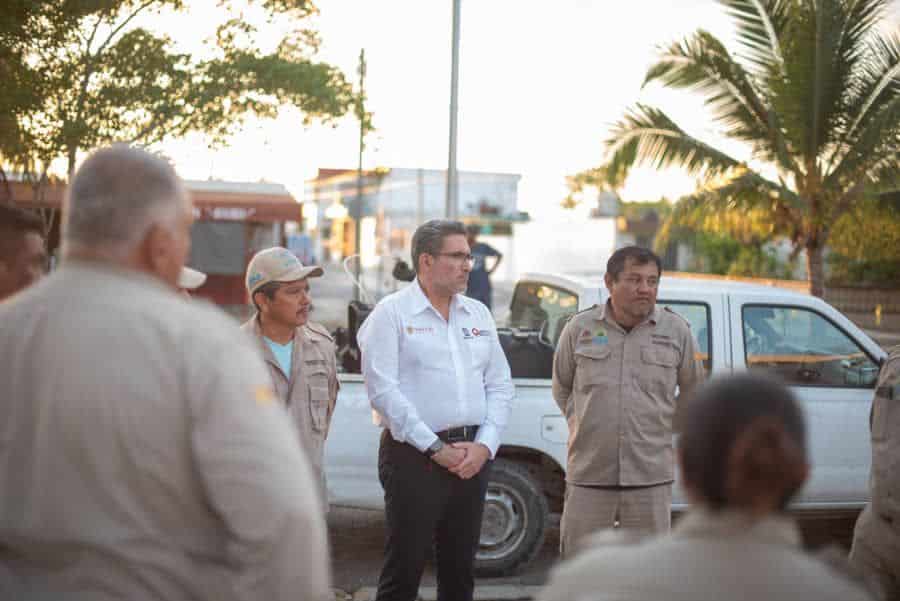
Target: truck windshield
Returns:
[534, 304]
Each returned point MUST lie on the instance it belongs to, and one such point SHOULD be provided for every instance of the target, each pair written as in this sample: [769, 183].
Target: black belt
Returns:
[460, 434]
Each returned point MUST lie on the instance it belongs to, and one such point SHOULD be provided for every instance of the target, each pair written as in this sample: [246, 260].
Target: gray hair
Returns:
[116, 196]
[429, 237]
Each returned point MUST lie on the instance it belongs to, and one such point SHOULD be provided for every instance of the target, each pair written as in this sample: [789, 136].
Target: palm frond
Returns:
[873, 151]
[877, 80]
[883, 177]
[760, 26]
[862, 17]
[811, 96]
[702, 64]
[647, 136]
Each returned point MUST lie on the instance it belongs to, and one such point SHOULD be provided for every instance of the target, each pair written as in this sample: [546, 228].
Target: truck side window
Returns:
[533, 304]
[803, 348]
[696, 314]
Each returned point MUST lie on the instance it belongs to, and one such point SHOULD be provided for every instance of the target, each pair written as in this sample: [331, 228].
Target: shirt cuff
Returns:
[487, 435]
[421, 437]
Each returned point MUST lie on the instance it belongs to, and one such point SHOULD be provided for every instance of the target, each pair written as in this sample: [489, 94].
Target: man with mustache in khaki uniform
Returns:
[615, 372]
[299, 354]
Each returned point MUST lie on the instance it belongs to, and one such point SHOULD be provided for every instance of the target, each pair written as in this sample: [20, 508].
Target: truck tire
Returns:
[514, 522]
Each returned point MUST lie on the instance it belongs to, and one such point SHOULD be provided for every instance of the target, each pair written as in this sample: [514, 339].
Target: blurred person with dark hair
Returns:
[142, 452]
[23, 253]
[479, 286]
[876, 539]
[615, 372]
[743, 457]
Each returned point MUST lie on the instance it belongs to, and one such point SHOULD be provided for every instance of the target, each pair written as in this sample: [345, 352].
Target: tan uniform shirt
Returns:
[617, 392]
[707, 557]
[143, 454]
[310, 391]
[879, 527]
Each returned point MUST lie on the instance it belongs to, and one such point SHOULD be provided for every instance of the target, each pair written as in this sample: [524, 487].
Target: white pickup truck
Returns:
[830, 363]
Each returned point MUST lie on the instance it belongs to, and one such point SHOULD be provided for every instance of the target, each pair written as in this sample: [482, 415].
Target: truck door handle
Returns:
[808, 374]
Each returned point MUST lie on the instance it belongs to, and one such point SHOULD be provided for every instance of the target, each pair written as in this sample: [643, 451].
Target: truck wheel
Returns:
[514, 521]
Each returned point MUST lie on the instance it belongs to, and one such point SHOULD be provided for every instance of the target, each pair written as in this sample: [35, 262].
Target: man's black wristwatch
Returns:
[436, 446]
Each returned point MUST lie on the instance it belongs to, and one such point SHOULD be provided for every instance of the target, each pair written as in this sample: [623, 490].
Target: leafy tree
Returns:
[814, 93]
[596, 177]
[865, 245]
[81, 74]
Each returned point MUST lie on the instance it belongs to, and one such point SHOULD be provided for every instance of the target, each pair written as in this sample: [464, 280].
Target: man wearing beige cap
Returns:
[300, 354]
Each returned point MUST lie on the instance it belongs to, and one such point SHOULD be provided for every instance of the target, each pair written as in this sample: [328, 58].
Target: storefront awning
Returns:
[213, 201]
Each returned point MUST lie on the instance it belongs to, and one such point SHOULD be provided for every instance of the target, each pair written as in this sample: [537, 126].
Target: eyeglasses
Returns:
[459, 257]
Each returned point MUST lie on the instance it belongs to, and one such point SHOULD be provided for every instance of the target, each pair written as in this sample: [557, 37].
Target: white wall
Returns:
[563, 243]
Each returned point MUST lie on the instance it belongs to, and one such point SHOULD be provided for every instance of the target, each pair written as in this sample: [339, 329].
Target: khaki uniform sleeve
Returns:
[334, 384]
[564, 367]
[257, 477]
[690, 375]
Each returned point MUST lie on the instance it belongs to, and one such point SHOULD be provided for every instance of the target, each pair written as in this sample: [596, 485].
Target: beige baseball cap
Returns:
[191, 279]
[277, 264]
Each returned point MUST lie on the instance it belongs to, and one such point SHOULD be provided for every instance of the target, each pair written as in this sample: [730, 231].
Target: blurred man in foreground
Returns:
[876, 540]
[23, 255]
[142, 452]
[743, 456]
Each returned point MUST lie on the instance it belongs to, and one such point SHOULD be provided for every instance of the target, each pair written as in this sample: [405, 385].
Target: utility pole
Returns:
[420, 196]
[452, 177]
[357, 206]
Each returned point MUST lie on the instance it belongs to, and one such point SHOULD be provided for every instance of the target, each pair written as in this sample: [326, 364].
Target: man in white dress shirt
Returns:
[441, 389]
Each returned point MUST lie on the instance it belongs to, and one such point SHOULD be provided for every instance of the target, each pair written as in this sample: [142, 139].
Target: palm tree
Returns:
[815, 94]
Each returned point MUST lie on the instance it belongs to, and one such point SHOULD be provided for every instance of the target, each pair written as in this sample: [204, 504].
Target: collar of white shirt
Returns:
[416, 301]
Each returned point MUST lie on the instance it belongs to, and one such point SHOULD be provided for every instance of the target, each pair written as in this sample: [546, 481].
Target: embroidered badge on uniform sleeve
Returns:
[264, 395]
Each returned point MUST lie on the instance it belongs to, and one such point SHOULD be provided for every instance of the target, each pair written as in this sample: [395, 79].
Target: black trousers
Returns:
[426, 505]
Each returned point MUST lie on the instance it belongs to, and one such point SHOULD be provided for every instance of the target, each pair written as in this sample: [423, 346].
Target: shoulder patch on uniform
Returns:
[263, 395]
[577, 313]
[678, 315]
[319, 329]
[592, 307]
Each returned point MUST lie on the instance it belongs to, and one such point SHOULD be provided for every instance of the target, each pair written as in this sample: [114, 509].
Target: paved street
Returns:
[357, 539]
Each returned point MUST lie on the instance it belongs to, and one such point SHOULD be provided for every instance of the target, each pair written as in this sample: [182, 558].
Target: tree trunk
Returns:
[72, 150]
[815, 270]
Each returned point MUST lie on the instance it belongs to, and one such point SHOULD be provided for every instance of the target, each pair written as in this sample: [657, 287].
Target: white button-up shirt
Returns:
[425, 374]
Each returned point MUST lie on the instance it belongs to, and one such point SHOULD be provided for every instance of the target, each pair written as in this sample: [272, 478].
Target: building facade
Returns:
[394, 202]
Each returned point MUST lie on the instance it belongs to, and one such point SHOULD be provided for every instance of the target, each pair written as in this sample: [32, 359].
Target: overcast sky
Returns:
[540, 84]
